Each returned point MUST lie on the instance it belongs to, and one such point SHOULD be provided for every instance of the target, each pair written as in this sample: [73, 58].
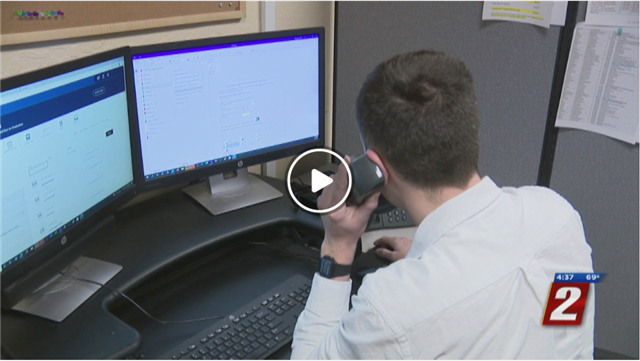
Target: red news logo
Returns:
[565, 304]
[567, 298]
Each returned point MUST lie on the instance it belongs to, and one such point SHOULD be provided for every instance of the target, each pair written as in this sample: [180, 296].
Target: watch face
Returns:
[325, 266]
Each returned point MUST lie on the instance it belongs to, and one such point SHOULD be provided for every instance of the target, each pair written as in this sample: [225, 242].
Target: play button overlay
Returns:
[319, 181]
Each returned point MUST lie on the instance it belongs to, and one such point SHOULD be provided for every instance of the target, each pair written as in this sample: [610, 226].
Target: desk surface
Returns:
[147, 239]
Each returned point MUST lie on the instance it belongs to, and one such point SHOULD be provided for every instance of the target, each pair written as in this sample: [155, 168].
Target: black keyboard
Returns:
[254, 331]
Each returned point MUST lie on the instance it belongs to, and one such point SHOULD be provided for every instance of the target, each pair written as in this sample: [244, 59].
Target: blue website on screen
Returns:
[65, 151]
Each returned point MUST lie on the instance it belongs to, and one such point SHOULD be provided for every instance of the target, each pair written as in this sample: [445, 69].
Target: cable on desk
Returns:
[311, 258]
[140, 307]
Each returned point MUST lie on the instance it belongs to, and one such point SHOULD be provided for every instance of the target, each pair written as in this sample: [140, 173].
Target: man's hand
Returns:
[344, 226]
[399, 247]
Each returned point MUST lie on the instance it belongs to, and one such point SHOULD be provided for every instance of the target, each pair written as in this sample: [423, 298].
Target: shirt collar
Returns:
[452, 213]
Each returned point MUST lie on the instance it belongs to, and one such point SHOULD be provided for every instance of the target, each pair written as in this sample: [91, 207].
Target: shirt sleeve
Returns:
[326, 329]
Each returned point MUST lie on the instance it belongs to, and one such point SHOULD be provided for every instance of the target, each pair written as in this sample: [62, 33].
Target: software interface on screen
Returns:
[201, 106]
[65, 151]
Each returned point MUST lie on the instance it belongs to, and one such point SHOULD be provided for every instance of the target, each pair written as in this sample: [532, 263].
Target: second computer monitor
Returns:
[214, 105]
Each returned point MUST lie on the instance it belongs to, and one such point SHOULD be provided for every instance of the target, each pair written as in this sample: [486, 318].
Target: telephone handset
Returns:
[366, 179]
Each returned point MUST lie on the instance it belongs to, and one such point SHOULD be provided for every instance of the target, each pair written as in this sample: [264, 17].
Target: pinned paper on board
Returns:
[612, 13]
[600, 90]
[559, 12]
[530, 12]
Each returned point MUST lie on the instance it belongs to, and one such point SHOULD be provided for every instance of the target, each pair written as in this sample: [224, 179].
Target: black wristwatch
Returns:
[330, 269]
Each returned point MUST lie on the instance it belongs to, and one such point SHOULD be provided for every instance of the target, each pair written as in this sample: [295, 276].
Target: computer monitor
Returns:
[66, 167]
[213, 107]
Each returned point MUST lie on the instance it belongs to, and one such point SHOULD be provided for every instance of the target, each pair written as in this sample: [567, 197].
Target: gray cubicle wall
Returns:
[512, 65]
[599, 176]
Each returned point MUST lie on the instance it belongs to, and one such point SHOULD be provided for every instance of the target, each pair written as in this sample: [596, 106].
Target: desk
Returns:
[154, 240]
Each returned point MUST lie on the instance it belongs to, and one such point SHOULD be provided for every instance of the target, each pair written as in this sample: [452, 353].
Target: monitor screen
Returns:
[204, 104]
[66, 151]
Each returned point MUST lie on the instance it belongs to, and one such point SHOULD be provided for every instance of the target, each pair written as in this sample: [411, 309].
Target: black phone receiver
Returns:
[366, 179]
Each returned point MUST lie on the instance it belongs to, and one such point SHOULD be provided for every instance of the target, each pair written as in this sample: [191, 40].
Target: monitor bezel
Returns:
[231, 165]
[44, 263]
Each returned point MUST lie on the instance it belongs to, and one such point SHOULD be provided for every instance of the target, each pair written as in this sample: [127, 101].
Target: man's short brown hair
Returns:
[419, 110]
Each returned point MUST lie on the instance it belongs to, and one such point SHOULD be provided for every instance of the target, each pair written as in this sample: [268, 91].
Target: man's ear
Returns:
[378, 160]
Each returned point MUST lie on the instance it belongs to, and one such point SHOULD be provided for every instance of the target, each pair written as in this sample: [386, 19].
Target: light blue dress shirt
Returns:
[473, 285]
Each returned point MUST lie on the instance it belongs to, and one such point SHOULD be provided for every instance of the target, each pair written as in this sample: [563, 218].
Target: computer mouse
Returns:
[369, 261]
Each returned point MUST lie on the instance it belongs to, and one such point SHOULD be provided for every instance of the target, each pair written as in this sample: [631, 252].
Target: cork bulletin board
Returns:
[36, 21]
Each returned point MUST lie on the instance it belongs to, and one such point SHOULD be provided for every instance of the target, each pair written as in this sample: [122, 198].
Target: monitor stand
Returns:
[232, 190]
[59, 297]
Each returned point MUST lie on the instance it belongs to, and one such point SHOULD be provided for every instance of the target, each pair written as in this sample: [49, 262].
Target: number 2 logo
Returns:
[574, 295]
[565, 304]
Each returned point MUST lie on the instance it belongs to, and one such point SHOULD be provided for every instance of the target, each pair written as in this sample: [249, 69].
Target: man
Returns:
[474, 281]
